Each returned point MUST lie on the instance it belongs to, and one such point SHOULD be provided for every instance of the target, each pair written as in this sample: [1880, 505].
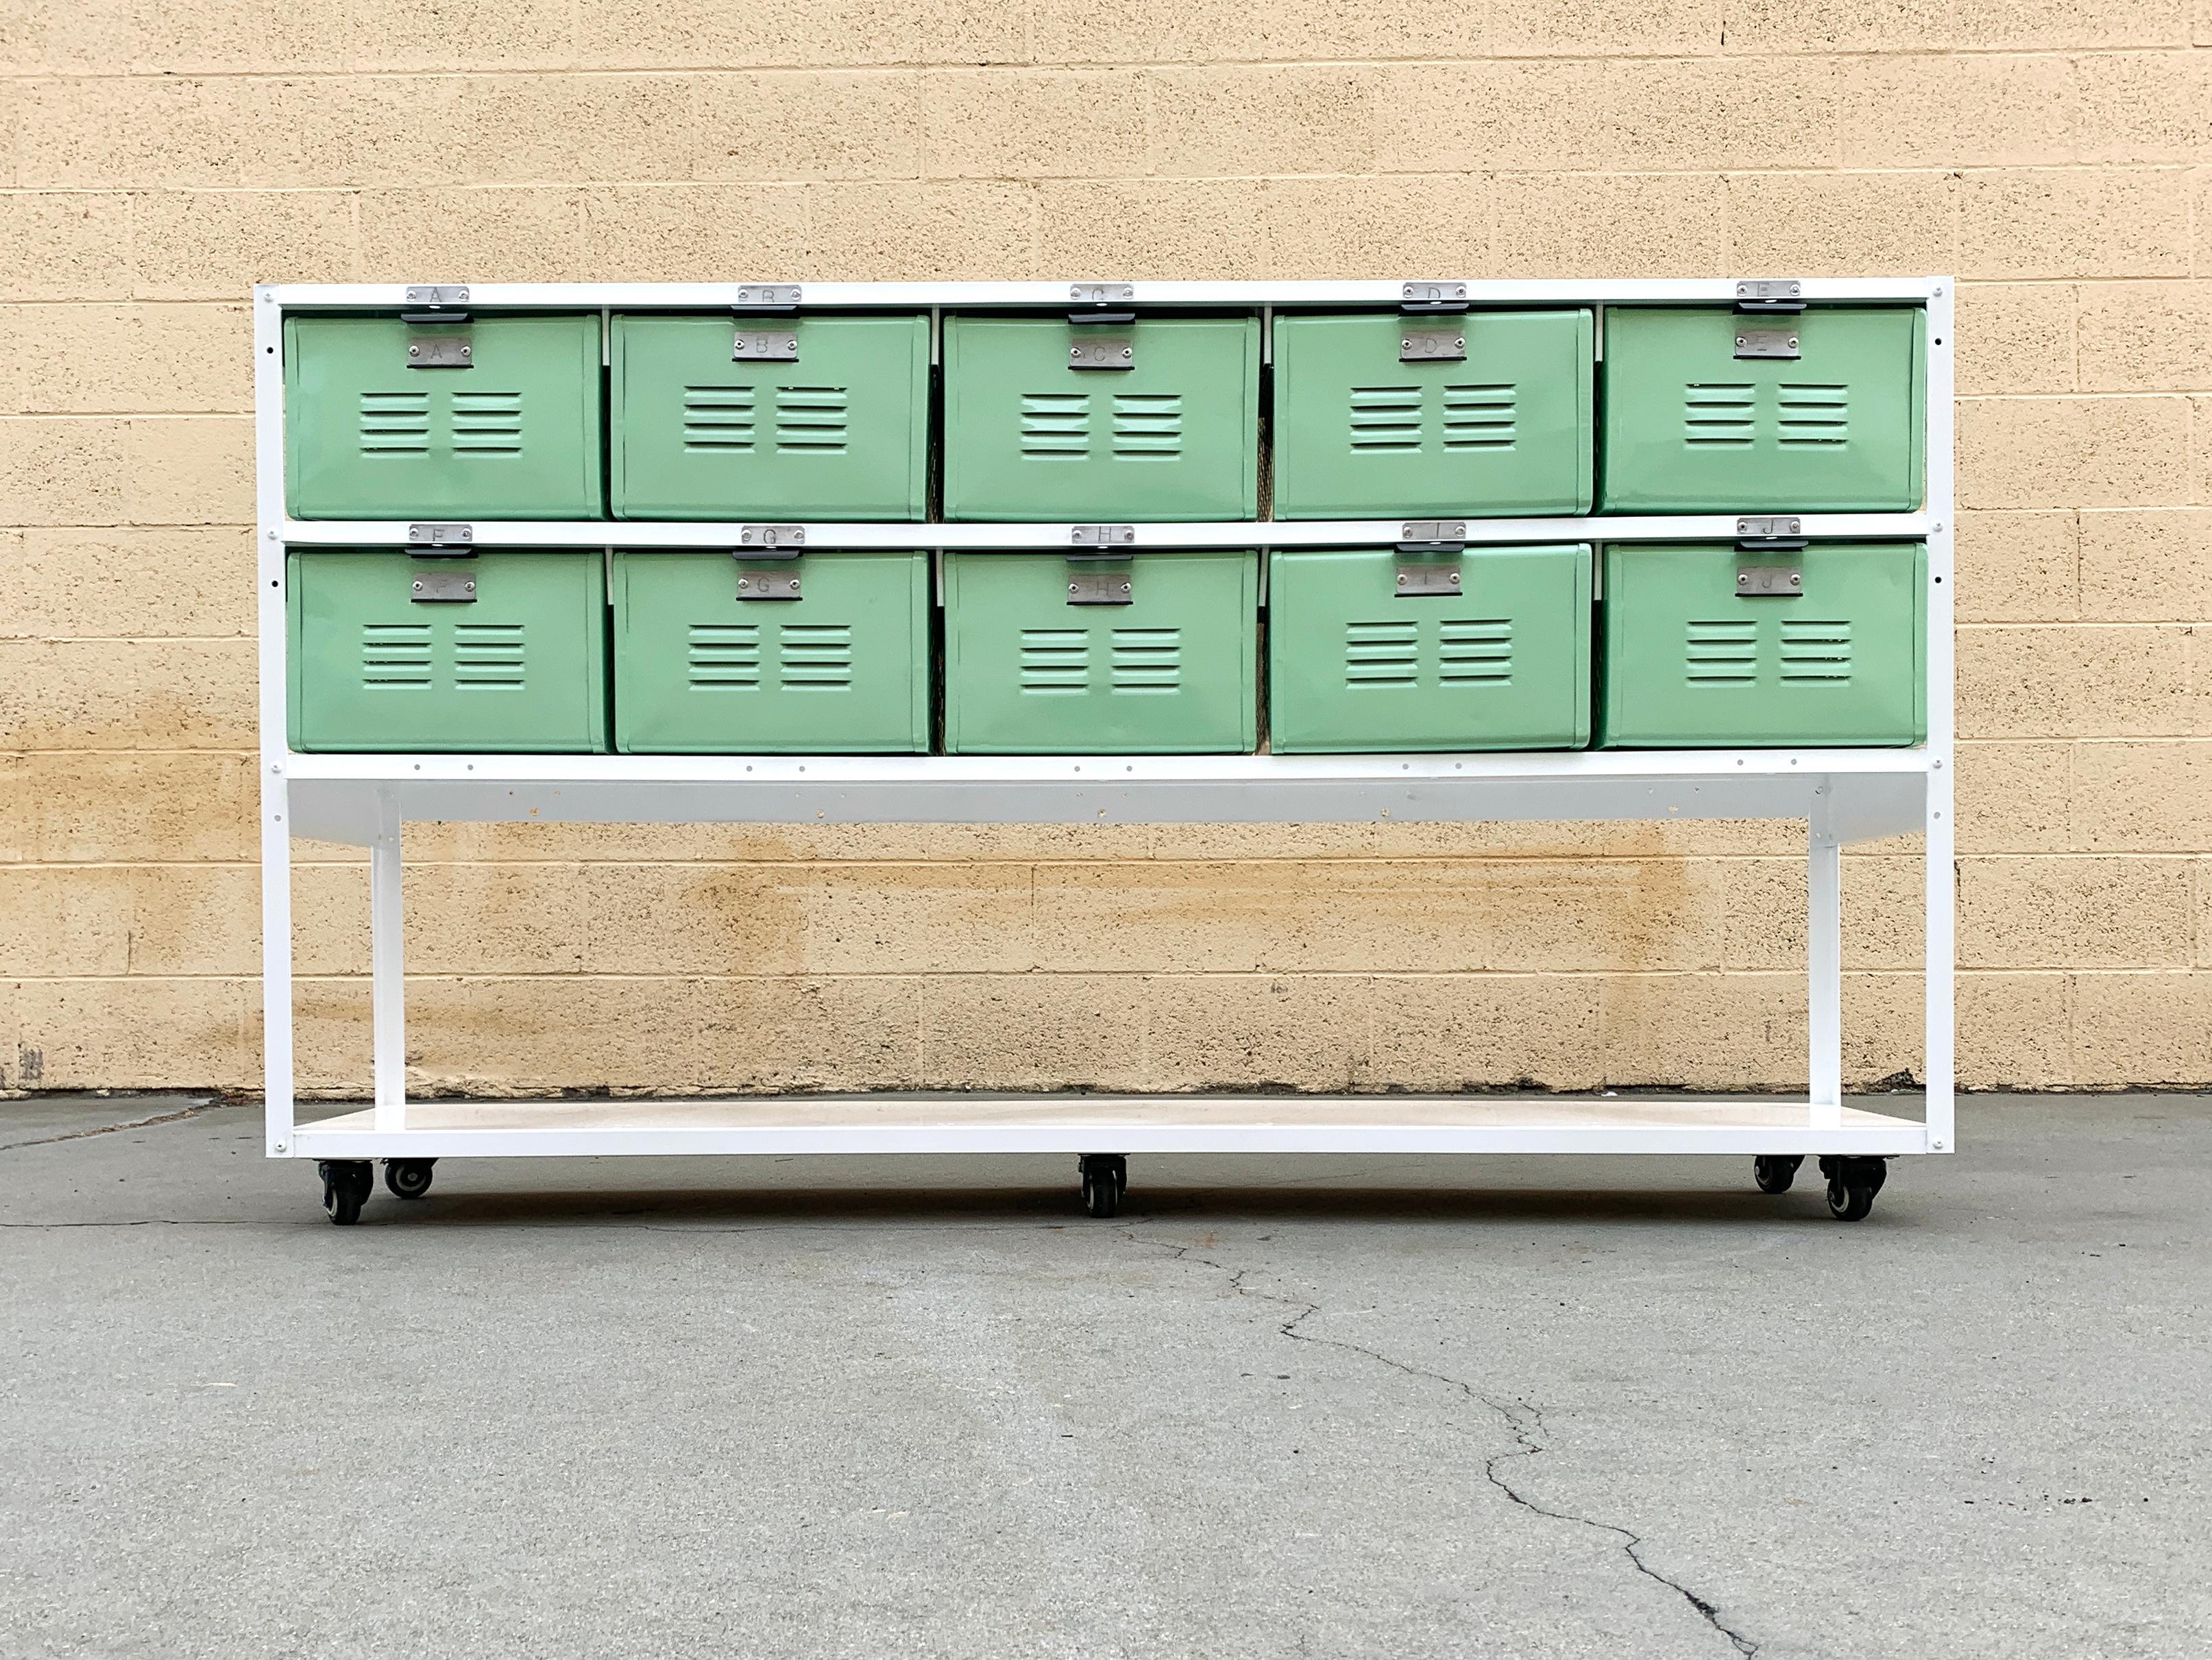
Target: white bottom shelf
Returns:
[1107, 1124]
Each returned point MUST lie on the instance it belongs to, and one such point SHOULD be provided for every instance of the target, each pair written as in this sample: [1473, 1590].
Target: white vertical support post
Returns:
[1824, 962]
[386, 968]
[1941, 953]
[273, 752]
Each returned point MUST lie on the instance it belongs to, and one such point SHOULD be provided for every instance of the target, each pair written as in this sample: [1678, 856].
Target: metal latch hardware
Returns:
[766, 296]
[1430, 329]
[1103, 338]
[439, 583]
[1770, 558]
[448, 349]
[437, 294]
[772, 345]
[1768, 297]
[777, 545]
[1099, 578]
[1102, 536]
[1429, 553]
[460, 538]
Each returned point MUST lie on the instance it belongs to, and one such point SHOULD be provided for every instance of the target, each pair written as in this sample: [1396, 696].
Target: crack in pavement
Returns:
[110, 1129]
[1516, 1414]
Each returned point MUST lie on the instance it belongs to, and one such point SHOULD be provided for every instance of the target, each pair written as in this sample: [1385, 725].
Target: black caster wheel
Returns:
[1105, 1179]
[408, 1178]
[347, 1183]
[1852, 1184]
[1774, 1173]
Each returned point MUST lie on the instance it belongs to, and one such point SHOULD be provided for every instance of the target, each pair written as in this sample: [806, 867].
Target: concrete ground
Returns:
[1515, 1408]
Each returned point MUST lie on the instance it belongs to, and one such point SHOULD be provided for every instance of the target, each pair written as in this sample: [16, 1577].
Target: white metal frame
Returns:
[1842, 796]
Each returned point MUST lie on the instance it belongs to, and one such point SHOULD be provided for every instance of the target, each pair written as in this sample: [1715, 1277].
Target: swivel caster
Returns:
[347, 1183]
[408, 1178]
[1774, 1173]
[1105, 1179]
[1852, 1184]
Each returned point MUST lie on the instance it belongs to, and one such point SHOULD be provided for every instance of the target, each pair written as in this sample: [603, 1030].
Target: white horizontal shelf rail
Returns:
[722, 536]
[1841, 795]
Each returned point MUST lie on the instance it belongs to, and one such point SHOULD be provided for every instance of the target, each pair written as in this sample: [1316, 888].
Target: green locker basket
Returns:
[1153, 653]
[1708, 646]
[823, 654]
[495, 651]
[1708, 409]
[1039, 423]
[1380, 416]
[1373, 650]
[825, 417]
[494, 419]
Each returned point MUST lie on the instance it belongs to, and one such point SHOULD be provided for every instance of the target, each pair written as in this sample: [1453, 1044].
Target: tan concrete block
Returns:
[2088, 680]
[469, 919]
[1347, 916]
[2015, 1031]
[1353, 227]
[693, 232]
[138, 1033]
[791, 918]
[1607, 27]
[1755, 908]
[141, 131]
[2141, 797]
[1965, 110]
[2200, 29]
[523, 235]
[64, 245]
[557, 129]
[764, 34]
[109, 359]
[12, 1055]
[1608, 224]
[1339, 30]
[785, 126]
[2042, 24]
[172, 694]
[118, 584]
[1213, 121]
[1889, 25]
[2147, 567]
[2073, 452]
[2017, 567]
[1464, 1031]
[2039, 913]
[2145, 336]
[1150, 229]
[2202, 878]
[2014, 797]
[188, 469]
[75, 921]
[1704, 1030]
[2200, 448]
[192, 244]
[971, 228]
[88, 37]
[491, 1035]
[117, 805]
[1843, 223]
[1177, 32]
[376, 130]
[1010, 124]
[2073, 222]
[1035, 1032]
[194, 919]
[2146, 107]
[56, 471]
[400, 36]
[2016, 337]
[1437, 117]
[2146, 1030]
[1258, 1031]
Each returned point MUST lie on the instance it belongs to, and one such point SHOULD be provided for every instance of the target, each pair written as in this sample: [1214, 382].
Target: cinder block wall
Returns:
[157, 160]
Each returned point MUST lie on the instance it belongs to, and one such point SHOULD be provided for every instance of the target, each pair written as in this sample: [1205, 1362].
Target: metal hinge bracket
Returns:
[1102, 338]
[1769, 558]
[457, 538]
[1429, 557]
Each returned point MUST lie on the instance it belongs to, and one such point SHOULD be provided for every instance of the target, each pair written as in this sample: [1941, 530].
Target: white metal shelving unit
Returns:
[1842, 796]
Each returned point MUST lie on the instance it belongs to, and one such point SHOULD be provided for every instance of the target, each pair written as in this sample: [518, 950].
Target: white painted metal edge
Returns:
[721, 537]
